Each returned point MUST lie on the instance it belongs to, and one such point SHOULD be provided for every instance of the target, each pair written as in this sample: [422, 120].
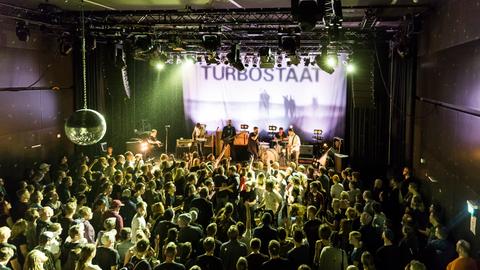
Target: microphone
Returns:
[167, 126]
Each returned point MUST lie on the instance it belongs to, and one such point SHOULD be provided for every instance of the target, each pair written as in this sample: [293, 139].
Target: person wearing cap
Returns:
[189, 233]
[114, 211]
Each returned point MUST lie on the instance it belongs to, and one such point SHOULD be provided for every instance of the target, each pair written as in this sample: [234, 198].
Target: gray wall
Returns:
[32, 117]
[447, 135]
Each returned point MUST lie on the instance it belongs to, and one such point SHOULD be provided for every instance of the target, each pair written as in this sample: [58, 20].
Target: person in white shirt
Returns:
[293, 146]
[138, 222]
[272, 200]
[198, 136]
[336, 188]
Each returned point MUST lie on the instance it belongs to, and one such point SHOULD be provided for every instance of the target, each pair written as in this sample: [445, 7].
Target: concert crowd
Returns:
[121, 211]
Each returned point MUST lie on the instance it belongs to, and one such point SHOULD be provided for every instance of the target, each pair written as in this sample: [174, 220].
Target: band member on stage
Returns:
[198, 135]
[280, 136]
[228, 136]
[253, 143]
[154, 142]
[293, 146]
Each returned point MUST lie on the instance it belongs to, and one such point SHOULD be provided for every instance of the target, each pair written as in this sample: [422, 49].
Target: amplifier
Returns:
[306, 150]
[184, 142]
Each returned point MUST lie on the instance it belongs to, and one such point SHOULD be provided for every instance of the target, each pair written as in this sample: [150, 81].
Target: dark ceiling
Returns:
[181, 24]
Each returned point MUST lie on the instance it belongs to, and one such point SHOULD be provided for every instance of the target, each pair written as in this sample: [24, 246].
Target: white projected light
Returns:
[303, 96]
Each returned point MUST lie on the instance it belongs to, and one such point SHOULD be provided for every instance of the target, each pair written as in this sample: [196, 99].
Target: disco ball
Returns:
[85, 127]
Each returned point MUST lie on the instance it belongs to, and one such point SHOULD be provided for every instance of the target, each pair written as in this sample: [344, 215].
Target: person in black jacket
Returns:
[265, 232]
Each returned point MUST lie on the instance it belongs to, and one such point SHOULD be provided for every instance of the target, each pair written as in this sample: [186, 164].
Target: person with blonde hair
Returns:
[5, 234]
[19, 240]
[6, 254]
[35, 260]
[85, 260]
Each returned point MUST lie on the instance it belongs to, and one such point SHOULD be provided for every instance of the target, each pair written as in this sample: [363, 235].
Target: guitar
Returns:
[228, 140]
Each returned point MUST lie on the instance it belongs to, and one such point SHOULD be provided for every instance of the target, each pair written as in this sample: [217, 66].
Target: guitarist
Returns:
[228, 136]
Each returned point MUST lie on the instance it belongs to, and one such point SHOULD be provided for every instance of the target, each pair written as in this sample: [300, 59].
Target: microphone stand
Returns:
[166, 138]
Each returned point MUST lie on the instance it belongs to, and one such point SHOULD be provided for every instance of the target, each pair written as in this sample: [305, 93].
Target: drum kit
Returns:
[275, 152]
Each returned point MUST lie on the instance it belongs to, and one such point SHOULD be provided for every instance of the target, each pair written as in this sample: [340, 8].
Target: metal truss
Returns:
[253, 28]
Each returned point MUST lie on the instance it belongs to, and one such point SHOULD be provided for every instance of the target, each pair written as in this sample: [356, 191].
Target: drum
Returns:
[270, 155]
[262, 147]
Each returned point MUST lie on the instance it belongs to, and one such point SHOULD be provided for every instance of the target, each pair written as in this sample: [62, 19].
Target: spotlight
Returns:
[337, 9]
[332, 61]
[143, 43]
[143, 147]
[322, 61]
[188, 61]
[279, 60]
[211, 59]
[255, 61]
[288, 44]
[266, 58]
[308, 12]
[350, 68]
[23, 33]
[211, 42]
[306, 61]
[159, 65]
[234, 57]
[294, 60]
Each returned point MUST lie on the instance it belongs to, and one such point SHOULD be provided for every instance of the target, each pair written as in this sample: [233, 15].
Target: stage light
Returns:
[322, 61]
[293, 60]
[188, 61]
[234, 57]
[255, 61]
[143, 43]
[211, 58]
[211, 42]
[350, 68]
[307, 12]
[332, 61]
[143, 147]
[306, 61]
[23, 33]
[266, 58]
[288, 44]
[159, 65]
[279, 60]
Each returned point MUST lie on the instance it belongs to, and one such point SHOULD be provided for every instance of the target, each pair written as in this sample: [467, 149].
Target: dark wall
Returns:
[31, 113]
[447, 119]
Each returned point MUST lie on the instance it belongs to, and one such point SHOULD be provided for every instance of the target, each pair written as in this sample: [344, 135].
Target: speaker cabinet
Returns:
[306, 151]
[363, 94]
